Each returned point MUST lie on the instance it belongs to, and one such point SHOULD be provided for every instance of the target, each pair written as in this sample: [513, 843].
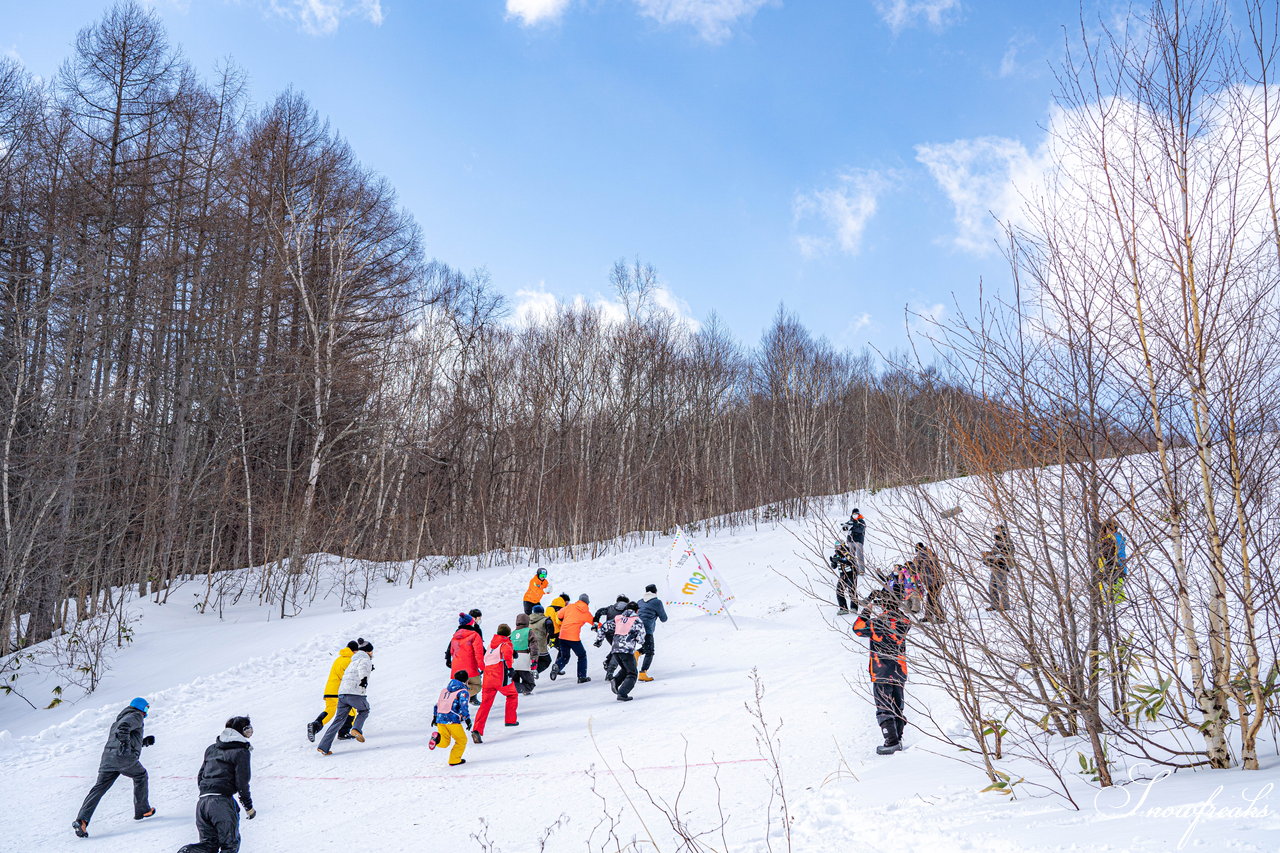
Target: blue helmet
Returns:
[141, 704]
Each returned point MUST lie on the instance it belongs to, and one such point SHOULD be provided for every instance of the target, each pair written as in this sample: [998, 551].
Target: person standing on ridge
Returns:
[627, 630]
[466, 652]
[352, 693]
[497, 679]
[652, 611]
[572, 618]
[224, 774]
[884, 624]
[120, 757]
[452, 710]
[855, 535]
[339, 666]
[537, 588]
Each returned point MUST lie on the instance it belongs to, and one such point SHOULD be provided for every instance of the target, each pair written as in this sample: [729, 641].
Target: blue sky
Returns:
[838, 157]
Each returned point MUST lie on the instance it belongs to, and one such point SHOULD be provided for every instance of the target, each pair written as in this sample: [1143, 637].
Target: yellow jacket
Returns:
[340, 665]
[553, 612]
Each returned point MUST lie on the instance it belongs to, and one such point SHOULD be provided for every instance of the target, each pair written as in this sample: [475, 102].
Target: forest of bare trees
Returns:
[221, 345]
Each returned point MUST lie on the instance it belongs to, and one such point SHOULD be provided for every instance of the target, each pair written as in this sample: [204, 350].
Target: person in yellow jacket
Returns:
[560, 602]
[537, 588]
[340, 664]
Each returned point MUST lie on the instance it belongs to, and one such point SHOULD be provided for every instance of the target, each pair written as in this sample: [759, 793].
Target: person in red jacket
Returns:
[466, 652]
[498, 678]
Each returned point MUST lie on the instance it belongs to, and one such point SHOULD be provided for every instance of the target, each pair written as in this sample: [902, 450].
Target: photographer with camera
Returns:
[885, 625]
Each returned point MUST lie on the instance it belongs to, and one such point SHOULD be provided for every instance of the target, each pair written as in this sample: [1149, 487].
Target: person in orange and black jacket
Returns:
[883, 622]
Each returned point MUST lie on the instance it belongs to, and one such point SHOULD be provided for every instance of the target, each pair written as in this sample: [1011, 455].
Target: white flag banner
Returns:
[693, 580]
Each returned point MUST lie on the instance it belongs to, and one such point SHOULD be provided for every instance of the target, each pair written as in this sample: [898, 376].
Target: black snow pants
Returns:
[107, 778]
[626, 675]
[847, 590]
[218, 823]
[890, 696]
[647, 650]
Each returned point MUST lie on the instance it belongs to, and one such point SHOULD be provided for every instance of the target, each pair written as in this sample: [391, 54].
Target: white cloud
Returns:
[11, 52]
[322, 17]
[532, 12]
[537, 305]
[841, 211]
[713, 19]
[982, 178]
[901, 14]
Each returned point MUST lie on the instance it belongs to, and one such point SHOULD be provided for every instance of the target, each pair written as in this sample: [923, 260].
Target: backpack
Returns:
[444, 705]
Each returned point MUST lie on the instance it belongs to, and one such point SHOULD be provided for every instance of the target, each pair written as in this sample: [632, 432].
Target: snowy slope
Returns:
[580, 760]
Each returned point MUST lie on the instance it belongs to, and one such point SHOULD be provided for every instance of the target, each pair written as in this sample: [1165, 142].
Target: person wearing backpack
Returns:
[524, 653]
[452, 711]
[224, 775]
[497, 679]
[537, 588]
[120, 757]
[627, 630]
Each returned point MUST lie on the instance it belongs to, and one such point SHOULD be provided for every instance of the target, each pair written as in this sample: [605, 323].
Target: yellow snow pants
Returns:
[456, 733]
[331, 708]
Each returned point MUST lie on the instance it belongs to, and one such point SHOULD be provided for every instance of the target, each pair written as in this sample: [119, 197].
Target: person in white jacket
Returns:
[351, 696]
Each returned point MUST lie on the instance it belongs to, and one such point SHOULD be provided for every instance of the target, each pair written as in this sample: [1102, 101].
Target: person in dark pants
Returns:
[628, 634]
[842, 564]
[929, 570]
[600, 617]
[886, 626]
[120, 757]
[855, 535]
[652, 611]
[224, 774]
[352, 694]
[999, 560]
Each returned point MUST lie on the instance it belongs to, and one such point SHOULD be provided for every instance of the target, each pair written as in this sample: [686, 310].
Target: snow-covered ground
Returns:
[581, 766]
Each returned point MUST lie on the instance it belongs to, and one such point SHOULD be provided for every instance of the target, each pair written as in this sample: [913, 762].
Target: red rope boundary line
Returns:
[451, 775]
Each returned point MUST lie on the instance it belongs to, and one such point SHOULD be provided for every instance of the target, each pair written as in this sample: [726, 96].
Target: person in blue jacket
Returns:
[452, 710]
[652, 611]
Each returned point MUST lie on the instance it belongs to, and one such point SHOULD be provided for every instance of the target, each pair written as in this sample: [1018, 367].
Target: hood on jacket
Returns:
[455, 684]
[231, 736]
[522, 621]
[345, 652]
[558, 601]
[498, 639]
[649, 596]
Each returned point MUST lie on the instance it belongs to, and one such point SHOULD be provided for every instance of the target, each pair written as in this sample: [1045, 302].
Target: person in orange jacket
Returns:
[466, 652]
[340, 664]
[572, 618]
[499, 677]
[537, 588]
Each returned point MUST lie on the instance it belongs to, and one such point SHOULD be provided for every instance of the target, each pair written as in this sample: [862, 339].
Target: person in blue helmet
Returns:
[120, 757]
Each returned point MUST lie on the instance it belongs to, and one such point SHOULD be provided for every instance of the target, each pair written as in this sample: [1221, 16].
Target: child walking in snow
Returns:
[884, 624]
[224, 774]
[452, 710]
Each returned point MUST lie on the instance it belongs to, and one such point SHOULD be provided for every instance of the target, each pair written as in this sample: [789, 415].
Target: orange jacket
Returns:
[572, 618]
[537, 588]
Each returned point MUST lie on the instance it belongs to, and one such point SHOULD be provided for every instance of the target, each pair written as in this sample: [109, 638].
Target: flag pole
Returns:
[723, 603]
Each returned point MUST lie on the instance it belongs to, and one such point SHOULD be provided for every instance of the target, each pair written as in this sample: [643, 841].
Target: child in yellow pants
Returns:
[453, 709]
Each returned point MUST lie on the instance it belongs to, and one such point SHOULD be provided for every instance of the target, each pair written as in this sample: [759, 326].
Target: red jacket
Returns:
[496, 674]
[466, 651]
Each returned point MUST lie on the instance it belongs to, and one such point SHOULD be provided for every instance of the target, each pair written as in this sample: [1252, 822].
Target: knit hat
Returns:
[585, 598]
[366, 646]
[653, 587]
[141, 704]
[464, 619]
[855, 511]
[504, 630]
[522, 621]
[354, 646]
[538, 608]
[239, 724]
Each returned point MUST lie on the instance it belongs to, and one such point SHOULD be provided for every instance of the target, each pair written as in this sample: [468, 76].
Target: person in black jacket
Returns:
[120, 757]
[884, 623]
[224, 774]
[855, 535]
[841, 562]
[600, 617]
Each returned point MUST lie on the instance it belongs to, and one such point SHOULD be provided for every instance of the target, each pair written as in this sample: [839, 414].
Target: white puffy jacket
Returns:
[358, 670]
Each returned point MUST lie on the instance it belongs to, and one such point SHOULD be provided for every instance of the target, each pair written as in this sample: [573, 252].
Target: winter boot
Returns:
[312, 728]
[843, 611]
[554, 672]
[613, 685]
[892, 743]
[434, 741]
[81, 827]
[148, 813]
[584, 679]
[644, 676]
[323, 751]
[475, 737]
[622, 698]
[358, 735]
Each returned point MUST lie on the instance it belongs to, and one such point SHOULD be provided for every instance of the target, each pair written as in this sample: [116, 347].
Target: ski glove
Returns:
[364, 682]
[148, 740]
[598, 641]
[251, 813]
[467, 720]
